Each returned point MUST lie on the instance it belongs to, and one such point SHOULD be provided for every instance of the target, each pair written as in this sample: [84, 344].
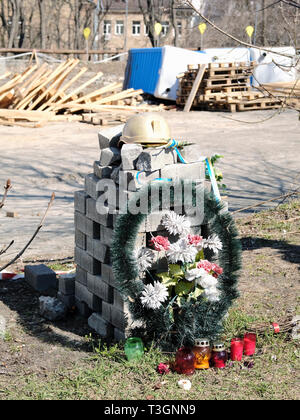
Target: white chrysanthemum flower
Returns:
[213, 242]
[144, 259]
[154, 294]
[181, 251]
[212, 294]
[207, 281]
[185, 384]
[175, 223]
[195, 273]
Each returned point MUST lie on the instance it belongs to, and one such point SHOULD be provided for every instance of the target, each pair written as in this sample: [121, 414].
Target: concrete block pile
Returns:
[128, 167]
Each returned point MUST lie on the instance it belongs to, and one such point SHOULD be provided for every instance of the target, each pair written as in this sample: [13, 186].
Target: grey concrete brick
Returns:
[68, 300]
[153, 159]
[79, 201]
[100, 288]
[106, 235]
[66, 284]
[82, 294]
[129, 155]
[80, 239]
[105, 215]
[81, 275]
[40, 277]
[134, 180]
[107, 274]
[102, 327]
[115, 173]
[86, 225]
[87, 262]
[91, 189]
[98, 250]
[191, 171]
[110, 156]
[110, 136]
[191, 153]
[83, 308]
[118, 301]
[113, 315]
[119, 335]
[102, 171]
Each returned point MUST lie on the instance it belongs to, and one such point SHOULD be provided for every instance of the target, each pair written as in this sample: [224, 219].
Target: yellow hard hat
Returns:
[148, 128]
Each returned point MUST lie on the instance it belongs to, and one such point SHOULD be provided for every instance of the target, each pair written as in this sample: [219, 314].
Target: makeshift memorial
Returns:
[134, 348]
[191, 297]
[236, 350]
[202, 353]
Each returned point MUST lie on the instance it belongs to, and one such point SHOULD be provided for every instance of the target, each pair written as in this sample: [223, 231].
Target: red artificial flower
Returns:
[217, 270]
[207, 265]
[160, 243]
[194, 239]
[163, 368]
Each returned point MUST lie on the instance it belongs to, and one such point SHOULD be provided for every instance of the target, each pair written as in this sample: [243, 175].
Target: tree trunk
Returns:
[43, 23]
[15, 23]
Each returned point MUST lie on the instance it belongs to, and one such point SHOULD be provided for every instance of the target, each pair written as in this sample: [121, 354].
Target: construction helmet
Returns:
[147, 128]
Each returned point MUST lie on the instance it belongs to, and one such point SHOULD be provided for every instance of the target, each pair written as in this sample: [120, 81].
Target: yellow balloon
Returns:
[249, 31]
[202, 28]
[86, 32]
[157, 28]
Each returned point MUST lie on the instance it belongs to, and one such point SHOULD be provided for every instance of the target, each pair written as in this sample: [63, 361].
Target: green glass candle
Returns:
[134, 348]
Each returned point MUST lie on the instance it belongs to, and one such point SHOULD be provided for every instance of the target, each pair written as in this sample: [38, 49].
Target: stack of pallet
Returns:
[288, 92]
[41, 94]
[222, 86]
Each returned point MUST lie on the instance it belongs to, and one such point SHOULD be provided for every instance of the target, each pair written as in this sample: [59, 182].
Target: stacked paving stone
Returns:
[96, 293]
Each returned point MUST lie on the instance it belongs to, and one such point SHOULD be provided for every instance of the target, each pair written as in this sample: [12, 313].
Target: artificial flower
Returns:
[163, 368]
[212, 294]
[154, 294]
[216, 269]
[195, 240]
[205, 264]
[207, 281]
[185, 384]
[213, 243]
[175, 224]
[181, 251]
[144, 259]
[194, 273]
[160, 243]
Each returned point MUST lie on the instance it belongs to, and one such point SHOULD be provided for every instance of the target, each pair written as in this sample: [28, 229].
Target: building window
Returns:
[165, 28]
[120, 27]
[107, 27]
[136, 27]
[179, 28]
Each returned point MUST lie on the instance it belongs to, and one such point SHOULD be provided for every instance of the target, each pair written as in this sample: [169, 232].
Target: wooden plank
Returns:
[26, 115]
[61, 77]
[195, 88]
[5, 75]
[60, 93]
[52, 76]
[60, 104]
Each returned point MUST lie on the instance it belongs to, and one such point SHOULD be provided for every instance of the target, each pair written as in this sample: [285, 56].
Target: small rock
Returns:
[2, 326]
[52, 308]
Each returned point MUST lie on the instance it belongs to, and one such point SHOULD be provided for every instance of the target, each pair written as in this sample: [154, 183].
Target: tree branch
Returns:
[33, 236]
[6, 189]
[246, 44]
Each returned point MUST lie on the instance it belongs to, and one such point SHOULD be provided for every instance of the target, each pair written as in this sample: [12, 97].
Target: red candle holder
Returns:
[249, 344]
[236, 349]
[185, 360]
[219, 356]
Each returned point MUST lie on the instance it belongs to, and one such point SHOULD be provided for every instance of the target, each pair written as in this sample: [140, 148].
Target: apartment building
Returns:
[125, 27]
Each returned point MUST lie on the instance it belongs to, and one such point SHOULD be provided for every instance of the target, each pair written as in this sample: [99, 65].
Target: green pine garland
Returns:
[193, 319]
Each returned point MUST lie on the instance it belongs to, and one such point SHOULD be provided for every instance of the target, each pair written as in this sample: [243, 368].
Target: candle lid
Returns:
[201, 342]
[218, 347]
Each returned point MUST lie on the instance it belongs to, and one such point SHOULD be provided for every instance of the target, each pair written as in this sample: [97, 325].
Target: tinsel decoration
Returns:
[171, 326]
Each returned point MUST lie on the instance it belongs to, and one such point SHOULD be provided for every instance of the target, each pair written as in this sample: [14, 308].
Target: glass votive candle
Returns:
[202, 353]
[184, 361]
[249, 344]
[134, 348]
[219, 356]
[236, 349]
